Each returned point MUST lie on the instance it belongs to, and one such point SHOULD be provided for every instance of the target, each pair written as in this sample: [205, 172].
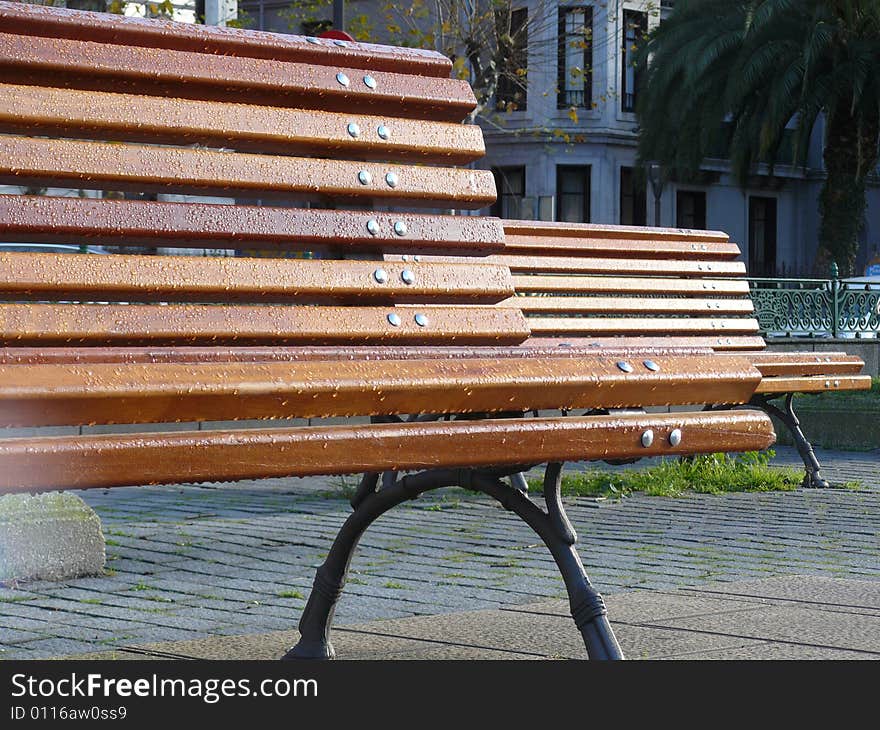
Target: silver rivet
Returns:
[380, 275]
[339, 42]
[404, 258]
[313, 41]
[421, 320]
[699, 267]
[827, 383]
[383, 132]
[836, 383]
[408, 276]
[342, 78]
[391, 179]
[651, 365]
[394, 319]
[647, 438]
[675, 437]
[625, 366]
[369, 82]
[400, 228]
[364, 177]
[417, 258]
[373, 227]
[354, 130]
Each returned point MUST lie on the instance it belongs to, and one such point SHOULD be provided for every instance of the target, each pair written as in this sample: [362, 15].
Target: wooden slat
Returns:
[23, 324]
[81, 114]
[720, 342]
[53, 395]
[116, 460]
[628, 305]
[542, 326]
[594, 230]
[813, 384]
[800, 364]
[40, 219]
[648, 248]
[222, 41]
[162, 72]
[628, 266]
[528, 283]
[97, 165]
[193, 354]
[54, 277]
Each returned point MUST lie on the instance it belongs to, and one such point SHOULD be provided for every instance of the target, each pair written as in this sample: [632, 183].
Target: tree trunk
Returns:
[850, 155]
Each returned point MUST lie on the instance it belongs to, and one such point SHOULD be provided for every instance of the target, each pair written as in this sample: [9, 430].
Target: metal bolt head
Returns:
[314, 41]
[675, 437]
[391, 179]
[407, 276]
[647, 438]
[421, 320]
[400, 228]
[380, 275]
[342, 79]
[373, 227]
[651, 365]
[417, 258]
[353, 130]
[383, 131]
[364, 177]
[394, 319]
[369, 82]
[404, 258]
[624, 366]
[339, 42]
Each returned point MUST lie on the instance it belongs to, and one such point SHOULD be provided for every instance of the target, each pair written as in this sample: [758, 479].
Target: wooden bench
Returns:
[597, 286]
[422, 348]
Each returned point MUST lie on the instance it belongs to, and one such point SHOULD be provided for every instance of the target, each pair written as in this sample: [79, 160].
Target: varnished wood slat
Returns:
[195, 354]
[62, 277]
[41, 219]
[648, 248]
[542, 326]
[528, 283]
[628, 305]
[116, 460]
[217, 40]
[34, 110]
[59, 324]
[720, 342]
[596, 230]
[800, 364]
[625, 266]
[52, 395]
[33, 60]
[105, 165]
[813, 384]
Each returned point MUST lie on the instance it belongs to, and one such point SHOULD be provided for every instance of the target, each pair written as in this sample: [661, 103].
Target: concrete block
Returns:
[51, 536]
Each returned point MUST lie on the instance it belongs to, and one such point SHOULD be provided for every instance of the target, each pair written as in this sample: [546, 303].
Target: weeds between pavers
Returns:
[706, 474]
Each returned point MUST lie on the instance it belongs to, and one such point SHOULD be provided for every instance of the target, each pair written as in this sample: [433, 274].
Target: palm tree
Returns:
[726, 78]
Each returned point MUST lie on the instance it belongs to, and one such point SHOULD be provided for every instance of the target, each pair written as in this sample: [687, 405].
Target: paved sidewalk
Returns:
[201, 562]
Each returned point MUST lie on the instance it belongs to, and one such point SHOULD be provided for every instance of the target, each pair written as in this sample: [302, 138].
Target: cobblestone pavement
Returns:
[186, 562]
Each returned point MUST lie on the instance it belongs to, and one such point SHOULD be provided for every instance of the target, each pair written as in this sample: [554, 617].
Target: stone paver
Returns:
[195, 562]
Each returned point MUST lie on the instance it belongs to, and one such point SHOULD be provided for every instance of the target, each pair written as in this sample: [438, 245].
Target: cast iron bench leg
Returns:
[813, 477]
[553, 526]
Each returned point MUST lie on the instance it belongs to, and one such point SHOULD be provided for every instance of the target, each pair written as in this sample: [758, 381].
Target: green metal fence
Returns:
[816, 307]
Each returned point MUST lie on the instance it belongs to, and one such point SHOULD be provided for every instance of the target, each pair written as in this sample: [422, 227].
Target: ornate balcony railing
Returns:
[816, 307]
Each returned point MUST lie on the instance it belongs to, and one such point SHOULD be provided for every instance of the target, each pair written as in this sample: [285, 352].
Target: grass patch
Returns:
[290, 594]
[706, 474]
[858, 400]
[392, 584]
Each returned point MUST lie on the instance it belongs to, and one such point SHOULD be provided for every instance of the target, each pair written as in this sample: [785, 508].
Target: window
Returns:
[762, 236]
[511, 185]
[575, 80]
[690, 209]
[635, 25]
[573, 193]
[512, 93]
[633, 200]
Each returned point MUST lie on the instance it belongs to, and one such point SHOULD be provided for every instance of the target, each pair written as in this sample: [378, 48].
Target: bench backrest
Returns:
[97, 102]
[626, 285]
